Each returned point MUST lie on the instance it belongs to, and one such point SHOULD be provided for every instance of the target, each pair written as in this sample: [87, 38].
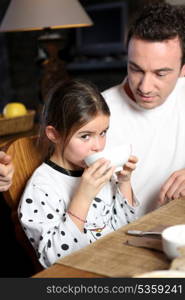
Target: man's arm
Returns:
[6, 171]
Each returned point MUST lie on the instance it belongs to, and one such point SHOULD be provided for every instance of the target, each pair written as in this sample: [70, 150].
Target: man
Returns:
[6, 171]
[148, 108]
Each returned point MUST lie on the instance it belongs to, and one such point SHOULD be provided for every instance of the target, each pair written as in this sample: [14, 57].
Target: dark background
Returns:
[20, 73]
[20, 80]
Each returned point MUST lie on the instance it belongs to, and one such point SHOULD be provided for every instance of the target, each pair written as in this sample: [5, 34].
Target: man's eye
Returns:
[161, 74]
[134, 69]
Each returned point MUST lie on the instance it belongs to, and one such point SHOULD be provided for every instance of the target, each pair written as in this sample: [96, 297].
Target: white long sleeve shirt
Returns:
[43, 206]
[157, 137]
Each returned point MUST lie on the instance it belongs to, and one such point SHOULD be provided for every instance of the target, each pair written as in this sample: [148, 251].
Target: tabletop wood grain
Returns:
[130, 261]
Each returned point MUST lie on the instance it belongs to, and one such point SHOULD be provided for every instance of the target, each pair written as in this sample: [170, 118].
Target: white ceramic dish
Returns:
[173, 238]
[118, 156]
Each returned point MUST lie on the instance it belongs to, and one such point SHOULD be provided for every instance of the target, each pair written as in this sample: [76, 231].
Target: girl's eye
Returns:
[103, 133]
[85, 137]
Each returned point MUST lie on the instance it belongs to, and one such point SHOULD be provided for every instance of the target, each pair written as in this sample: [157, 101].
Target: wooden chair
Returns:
[26, 158]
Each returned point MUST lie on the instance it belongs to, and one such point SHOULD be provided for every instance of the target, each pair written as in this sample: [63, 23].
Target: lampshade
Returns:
[23, 15]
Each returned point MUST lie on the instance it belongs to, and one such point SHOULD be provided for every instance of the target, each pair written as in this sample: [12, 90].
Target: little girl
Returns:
[67, 205]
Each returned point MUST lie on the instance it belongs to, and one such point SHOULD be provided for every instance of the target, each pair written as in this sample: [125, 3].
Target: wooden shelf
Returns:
[8, 138]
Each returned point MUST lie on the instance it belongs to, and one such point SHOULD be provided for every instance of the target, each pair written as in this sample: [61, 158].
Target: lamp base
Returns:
[53, 68]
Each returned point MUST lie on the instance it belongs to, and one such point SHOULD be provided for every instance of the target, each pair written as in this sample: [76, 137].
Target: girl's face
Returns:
[87, 140]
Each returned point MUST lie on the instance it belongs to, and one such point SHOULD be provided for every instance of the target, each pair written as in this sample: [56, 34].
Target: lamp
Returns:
[23, 15]
[26, 15]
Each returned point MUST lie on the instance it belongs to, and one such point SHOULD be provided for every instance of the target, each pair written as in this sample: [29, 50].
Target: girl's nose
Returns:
[97, 145]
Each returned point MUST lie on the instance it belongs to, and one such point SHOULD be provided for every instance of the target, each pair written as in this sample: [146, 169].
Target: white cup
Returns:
[118, 156]
[173, 238]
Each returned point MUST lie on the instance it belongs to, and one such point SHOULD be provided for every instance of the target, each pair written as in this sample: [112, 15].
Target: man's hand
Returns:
[6, 171]
[174, 187]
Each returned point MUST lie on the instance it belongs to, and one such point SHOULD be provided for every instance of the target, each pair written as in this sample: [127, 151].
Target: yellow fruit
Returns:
[14, 109]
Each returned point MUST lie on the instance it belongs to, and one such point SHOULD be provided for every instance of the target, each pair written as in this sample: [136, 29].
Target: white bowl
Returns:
[118, 156]
[173, 238]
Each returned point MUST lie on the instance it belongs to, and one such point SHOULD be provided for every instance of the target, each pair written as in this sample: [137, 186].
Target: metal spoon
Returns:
[142, 233]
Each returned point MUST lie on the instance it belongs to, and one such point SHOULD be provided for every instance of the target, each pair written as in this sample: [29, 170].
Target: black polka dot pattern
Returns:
[115, 211]
[97, 199]
[29, 201]
[50, 216]
[51, 232]
[49, 244]
[65, 247]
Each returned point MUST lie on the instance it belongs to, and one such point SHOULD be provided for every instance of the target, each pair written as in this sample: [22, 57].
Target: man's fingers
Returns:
[164, 189]
[173, 186]
[4, 158]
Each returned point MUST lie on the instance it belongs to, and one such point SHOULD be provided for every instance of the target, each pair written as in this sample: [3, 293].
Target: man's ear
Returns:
[182, 74]
[52, 134]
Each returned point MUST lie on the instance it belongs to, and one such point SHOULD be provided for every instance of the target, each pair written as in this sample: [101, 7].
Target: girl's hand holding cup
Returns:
[94, 178]
[125, 174]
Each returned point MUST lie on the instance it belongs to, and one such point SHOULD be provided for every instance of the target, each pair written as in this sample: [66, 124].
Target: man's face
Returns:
[153, 70]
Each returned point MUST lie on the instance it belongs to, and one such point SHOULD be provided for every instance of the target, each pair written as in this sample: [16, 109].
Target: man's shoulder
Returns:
[112, 90]
[179, 91]
[114, 94]
[181, 82]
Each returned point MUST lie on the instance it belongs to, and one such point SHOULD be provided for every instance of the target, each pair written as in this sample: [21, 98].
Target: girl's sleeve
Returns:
[130, 212]
[48, 226]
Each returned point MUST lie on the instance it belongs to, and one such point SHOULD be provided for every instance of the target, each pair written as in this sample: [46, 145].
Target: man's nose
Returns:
[145, 85]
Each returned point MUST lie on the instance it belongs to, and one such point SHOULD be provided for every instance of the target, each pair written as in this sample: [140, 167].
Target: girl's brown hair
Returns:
[68, 107]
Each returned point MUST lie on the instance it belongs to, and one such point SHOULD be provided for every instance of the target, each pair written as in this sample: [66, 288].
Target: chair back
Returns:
[26, 158]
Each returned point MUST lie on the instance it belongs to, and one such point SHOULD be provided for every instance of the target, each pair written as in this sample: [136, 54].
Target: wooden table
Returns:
[169, 214]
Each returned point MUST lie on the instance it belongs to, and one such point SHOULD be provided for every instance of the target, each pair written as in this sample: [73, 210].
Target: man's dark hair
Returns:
[158, 22]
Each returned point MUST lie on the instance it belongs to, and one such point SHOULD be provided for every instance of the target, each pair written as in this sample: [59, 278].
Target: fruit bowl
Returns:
[17, 124]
